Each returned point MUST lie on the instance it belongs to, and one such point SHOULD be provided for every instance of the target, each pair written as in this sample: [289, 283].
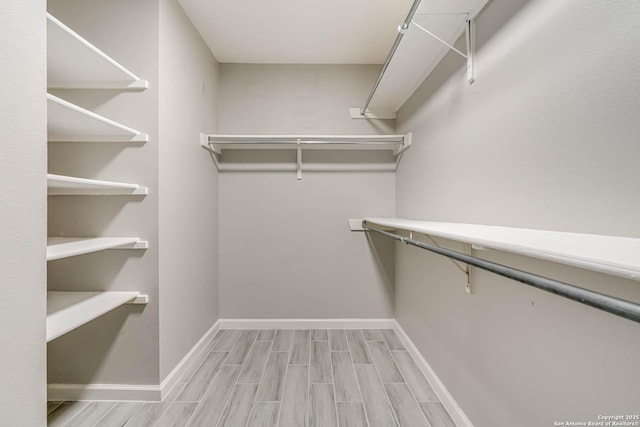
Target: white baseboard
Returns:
[132, 392]
[193, 356]
[307, 323]
[455, 411]
[103, 392]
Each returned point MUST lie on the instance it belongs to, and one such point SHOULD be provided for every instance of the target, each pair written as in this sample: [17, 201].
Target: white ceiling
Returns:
[298, 31]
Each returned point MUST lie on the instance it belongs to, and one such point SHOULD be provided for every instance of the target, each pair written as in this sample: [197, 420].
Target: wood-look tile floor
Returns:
[285, 378]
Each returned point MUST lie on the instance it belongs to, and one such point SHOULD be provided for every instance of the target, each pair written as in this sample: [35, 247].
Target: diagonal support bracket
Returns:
[470, 39]
[464, 268]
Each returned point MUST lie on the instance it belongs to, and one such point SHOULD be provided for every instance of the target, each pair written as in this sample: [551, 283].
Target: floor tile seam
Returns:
[264, 368]
[393, 412]
[355, 375]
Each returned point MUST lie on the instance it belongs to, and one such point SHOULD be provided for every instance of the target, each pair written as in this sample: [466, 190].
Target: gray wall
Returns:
[120, 347]
[545, 138]
[22, 213]
[188, 187]
[285, 248]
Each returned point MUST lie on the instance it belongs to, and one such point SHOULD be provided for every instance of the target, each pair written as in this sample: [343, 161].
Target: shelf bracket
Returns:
[139, 300]
[470, 39]
[299, 161]
[464, 268]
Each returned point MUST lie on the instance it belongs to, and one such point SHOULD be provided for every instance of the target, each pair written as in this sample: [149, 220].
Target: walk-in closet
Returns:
[306, 213]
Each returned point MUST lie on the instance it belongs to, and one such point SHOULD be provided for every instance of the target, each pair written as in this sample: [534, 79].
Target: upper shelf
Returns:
[59, 185]
[67, 122]
[67, 311]
[74, 63]
[65, 247]
[419, 53]
[618, 256]
[396, 143]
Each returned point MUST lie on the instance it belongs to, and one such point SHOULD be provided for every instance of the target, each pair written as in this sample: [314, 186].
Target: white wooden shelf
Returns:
[419, 53]
[67, 122]
[74, 63]
[64, 247]
[67, 311]
[395, 143]
[618, 256]
[59, 185]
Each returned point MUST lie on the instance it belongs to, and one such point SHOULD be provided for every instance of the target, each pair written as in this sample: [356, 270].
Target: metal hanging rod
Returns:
[401, 30]
[619, 307]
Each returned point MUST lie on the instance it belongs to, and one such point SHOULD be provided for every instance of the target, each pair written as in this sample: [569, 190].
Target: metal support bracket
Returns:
[470, 38]
[299, 161]
[464, 268]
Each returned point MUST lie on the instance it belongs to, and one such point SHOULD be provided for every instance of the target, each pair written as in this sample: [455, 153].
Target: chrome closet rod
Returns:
[619, 307]
[401, 30]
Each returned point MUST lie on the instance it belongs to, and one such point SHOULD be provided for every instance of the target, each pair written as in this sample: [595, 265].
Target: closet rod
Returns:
[401, 30]
[619, 307]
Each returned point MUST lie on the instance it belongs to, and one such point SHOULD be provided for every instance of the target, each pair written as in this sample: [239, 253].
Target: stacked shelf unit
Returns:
[74, 63]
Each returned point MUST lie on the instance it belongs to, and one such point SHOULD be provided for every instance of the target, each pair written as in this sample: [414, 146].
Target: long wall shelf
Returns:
[69, 310]
[618, 256]
[418, 53]
[65, 247]
[59, 185]
[69, 123]
[74, 63]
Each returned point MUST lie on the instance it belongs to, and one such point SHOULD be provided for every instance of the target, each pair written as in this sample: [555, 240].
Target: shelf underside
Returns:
[59, 185]
[618, 256]
[69, 310]
[69, 123]
[65, 247]
[74, 63]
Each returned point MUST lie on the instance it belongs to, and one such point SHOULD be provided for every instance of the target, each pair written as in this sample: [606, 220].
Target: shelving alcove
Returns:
[75, 63]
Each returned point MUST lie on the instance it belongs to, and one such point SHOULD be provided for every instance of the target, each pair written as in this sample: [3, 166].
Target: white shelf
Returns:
[618, 256]
[396, 143]
[67, 311]
[419, 53]
[67, 122]
[64, 247]
[59, 185]
[74, 63]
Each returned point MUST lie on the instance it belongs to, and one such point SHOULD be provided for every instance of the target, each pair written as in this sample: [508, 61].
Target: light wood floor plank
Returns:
[200, 381]
[337, 340]
[344, 377]
[407, 411]
[436, 414]
[358, 346]
[120, 414]
[392, 339]
[414, 377]
[351, 414]
[272, 382]
[266, 335]
[264, 414]
[293, 411]
[64, 413]
[282, 341]
[372, 335]
[237, 412]
[239, 353]
[52, 405]
[210, 408]
[91, 414]
[376, 404]
[322, 406]
[151, 412]
[381, 356]
[300, 348]
[254, 367]
[320, 368]
[319, 335]
[226, 342]
[178, 414]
